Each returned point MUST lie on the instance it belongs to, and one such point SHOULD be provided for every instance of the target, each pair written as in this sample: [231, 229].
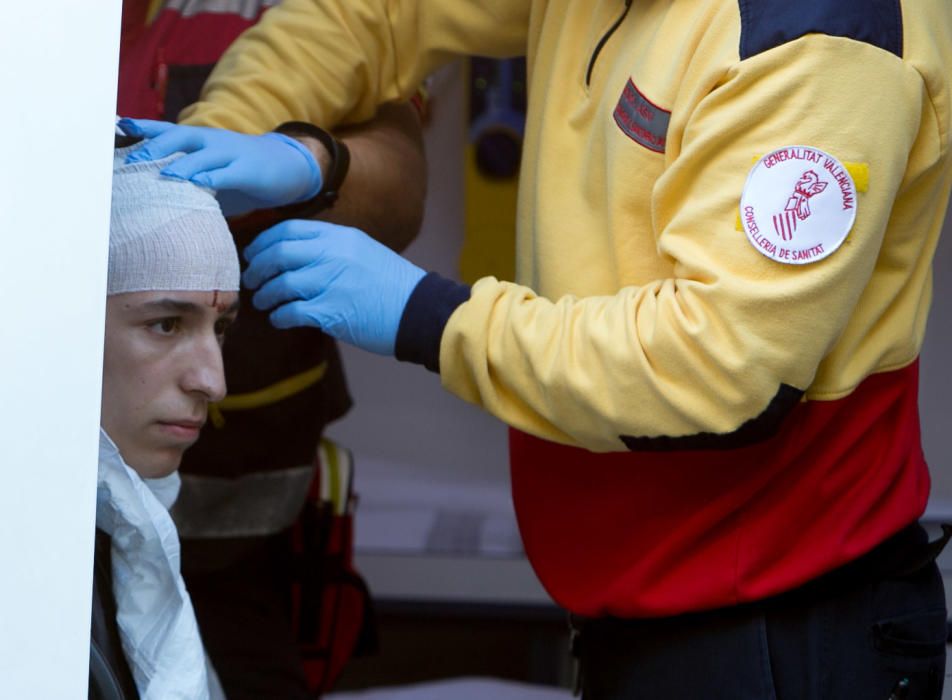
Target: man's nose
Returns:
[205, 373]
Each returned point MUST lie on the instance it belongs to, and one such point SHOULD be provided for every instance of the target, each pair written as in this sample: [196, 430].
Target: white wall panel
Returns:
[58, 68]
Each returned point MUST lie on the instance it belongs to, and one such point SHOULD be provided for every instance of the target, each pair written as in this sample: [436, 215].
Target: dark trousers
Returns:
[869, 640]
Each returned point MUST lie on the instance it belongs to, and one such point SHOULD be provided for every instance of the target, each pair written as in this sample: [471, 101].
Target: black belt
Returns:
[901, 555]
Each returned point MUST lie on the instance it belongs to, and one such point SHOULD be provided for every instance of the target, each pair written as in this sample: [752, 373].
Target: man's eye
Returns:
[165, 326]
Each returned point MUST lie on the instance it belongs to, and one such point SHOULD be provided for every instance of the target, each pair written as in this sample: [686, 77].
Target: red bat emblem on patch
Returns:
[798, 206]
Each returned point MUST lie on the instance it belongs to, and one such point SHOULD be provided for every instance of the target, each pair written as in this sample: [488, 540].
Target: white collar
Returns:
[156, 621]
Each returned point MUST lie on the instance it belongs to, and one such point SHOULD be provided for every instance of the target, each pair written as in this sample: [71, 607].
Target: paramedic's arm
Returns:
[377, 183]
[385, 187]
[732, 331]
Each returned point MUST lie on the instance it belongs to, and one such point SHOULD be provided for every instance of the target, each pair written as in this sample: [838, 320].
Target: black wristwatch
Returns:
[333, 178]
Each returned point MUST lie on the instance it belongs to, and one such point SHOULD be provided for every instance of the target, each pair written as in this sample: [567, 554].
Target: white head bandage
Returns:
[166, 234]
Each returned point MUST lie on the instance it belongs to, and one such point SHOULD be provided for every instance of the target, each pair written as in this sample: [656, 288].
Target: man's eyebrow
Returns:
[171, 306]
[181, 307]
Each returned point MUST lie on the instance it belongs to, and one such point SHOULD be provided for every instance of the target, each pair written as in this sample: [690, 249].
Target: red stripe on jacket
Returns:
[638, 534]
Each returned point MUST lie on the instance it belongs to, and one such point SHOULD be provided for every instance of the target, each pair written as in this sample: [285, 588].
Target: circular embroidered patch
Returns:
[798, 205]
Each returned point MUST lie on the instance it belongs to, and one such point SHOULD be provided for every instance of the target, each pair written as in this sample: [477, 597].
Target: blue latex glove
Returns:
[248, 172]
[331, 277]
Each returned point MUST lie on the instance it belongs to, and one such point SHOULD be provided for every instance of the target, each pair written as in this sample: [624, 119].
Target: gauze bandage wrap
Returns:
[166, 234]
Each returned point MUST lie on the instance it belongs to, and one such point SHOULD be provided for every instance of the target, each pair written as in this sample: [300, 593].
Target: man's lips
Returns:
[186, 430]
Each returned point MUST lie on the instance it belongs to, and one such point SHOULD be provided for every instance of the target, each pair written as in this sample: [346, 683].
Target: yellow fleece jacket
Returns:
[642, 307]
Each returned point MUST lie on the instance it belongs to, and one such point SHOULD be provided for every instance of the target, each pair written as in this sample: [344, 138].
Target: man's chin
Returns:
[157, 463]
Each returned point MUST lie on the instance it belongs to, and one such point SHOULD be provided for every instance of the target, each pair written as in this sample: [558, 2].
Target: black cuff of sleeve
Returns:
[430, 306]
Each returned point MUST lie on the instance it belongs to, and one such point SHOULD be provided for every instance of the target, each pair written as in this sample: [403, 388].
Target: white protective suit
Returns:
[157, 625]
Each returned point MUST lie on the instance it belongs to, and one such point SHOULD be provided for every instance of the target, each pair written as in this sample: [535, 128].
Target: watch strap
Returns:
[332, 179]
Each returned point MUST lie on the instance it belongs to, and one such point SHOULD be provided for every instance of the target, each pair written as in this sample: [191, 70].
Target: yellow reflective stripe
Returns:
[154, 7]
[267, 396]
[332, 464]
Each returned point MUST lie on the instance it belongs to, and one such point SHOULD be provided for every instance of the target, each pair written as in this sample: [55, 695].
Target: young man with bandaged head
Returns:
[172, 292]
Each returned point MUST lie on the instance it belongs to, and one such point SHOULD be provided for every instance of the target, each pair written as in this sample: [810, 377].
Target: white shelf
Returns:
[429, 578]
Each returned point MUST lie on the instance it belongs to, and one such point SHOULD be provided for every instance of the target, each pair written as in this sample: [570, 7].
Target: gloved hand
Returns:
[248, 172]
[331, 277]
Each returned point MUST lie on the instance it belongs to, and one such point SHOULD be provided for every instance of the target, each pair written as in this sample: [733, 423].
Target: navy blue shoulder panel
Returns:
[766, 24]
